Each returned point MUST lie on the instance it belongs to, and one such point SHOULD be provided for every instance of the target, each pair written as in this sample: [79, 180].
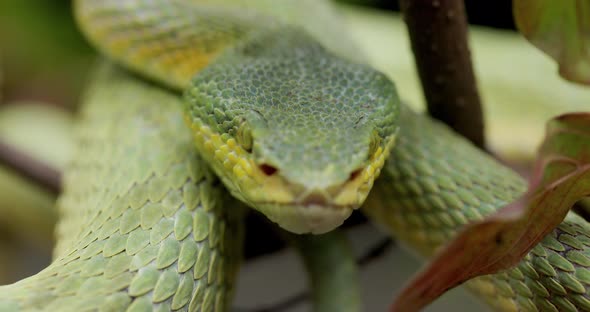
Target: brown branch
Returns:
[30, 168]
[438, 32]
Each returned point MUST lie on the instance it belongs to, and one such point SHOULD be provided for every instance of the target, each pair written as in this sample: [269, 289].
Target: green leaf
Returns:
[560, 28]
[561, 177]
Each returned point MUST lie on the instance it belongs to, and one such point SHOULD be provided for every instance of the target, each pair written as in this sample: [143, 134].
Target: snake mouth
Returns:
[306, 218]
[314, 211]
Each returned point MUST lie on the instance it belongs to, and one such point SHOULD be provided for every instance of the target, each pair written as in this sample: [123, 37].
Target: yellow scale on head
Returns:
[230, 155]
[359, 188]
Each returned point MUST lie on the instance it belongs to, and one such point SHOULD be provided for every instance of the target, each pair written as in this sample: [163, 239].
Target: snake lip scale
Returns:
[308, 219]
[313, 199]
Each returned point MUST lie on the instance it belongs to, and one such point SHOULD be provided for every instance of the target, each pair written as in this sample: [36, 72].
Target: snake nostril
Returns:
[268, 169]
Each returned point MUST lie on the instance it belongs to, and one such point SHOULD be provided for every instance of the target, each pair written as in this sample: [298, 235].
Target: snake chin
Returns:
[306, 218]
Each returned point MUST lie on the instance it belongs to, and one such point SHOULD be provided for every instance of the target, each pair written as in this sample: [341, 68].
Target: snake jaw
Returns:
[314, 219]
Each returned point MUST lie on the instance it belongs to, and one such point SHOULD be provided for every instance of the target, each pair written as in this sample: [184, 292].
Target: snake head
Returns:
[300, 137]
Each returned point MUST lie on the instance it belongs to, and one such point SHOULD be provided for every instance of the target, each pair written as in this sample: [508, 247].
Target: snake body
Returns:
[145, 230]
[426, 193]
[145, 223]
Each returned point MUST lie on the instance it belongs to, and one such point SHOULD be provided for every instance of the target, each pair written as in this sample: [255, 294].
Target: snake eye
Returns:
[244, 136]
[374, 144]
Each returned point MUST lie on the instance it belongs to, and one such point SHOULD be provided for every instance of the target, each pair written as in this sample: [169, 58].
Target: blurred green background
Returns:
[45, 58]
[42, 54]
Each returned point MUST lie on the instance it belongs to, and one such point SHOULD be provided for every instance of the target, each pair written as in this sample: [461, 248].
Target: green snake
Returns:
[292, 127]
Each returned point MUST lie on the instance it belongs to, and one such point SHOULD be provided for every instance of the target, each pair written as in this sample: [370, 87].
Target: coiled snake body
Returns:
[290, 129]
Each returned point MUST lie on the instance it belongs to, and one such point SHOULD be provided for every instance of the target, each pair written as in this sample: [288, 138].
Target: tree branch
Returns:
[438, 32]
[32, 169]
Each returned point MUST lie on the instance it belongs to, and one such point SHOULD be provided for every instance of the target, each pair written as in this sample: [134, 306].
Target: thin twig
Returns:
[373, 253]
[438, 32]
[30, 168]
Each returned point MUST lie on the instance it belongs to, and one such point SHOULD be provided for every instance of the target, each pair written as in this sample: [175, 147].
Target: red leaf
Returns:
[561, 177]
